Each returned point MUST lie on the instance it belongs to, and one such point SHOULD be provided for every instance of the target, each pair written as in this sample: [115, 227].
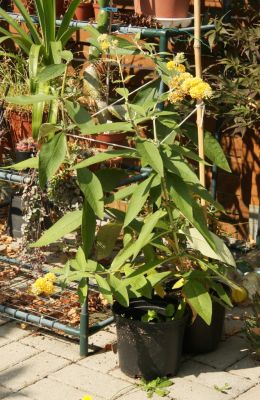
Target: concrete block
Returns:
[252, 394]
[10, 332]
[3, 320]
[3, 392]
[208, 376]
[183, 389]
[247, 368]
[117, 373]
[137, 394]
[102, 362]
[14, 353]
[55, 346]
[17, 396]
[30, 371]
[93, 382]
[48, 389]
[102, 339]
[228, 352]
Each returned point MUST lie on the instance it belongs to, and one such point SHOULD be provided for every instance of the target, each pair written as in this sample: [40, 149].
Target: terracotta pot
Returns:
[162, 8]
[84, 11]
[60, 8]
[96, 10]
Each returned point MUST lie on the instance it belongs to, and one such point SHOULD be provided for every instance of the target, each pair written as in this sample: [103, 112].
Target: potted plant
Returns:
[166, 247]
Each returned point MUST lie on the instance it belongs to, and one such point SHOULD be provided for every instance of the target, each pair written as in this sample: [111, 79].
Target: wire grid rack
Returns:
[63, 307]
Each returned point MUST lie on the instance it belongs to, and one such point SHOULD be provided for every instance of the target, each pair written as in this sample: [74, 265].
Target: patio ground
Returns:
[37, 366]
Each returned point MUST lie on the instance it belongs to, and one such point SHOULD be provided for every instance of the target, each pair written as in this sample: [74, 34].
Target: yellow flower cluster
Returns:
[185, 84]
[87, 398]
[172, 66]
[106, 42]
[44, 285]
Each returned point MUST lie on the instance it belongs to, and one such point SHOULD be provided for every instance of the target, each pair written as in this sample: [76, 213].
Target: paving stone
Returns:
[183, 389]
[112, 328]
[248, 368]
[103, 362]
[55, 346]
[117, 373]
[136, 394]
[208, 376]
[92, 382]
[3, 392]
[252, 394]
[48, 389]
[30, 371]
[228, 352]
[15, 352]
[17, 396]
[10, 332]
[3, 320]
[102, 339]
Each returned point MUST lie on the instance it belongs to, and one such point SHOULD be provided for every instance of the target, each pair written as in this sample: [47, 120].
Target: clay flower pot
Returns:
[84, 11]
[162, 9]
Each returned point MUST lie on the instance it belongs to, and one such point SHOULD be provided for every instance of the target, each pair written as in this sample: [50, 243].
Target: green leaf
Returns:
[123, 92]
[157, 277]
[67, 18]
[108, 155]
[197, 242]
[77, 113]
[32, 162]
[51, 72]
[91, 129]
[67, 224]
[92, 190]
[110, 178]
[88, 228]
[119, 290]
[104, 288]
[138, 199]
[106, 239]
[26, 100]
[221, 293]
[121, 194]
[199, 299]
[150, 155]
[52, 155]
[215, 153]
[48, 130]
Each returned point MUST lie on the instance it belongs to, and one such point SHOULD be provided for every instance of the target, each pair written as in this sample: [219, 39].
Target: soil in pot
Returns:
[162, 9]
[146, 349]
[201, 338]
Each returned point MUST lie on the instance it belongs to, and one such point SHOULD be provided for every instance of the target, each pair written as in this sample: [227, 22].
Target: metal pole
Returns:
[9, 176]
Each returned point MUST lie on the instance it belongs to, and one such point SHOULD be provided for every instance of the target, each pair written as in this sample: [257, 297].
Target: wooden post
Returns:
[198, 69]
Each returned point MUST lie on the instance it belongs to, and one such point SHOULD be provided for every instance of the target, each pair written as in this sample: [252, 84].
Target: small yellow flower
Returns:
[87, 397]
[200, 91]
[176, 96]
[48, 289]
[105, 45]
[42, 286]
[50, 276]
[103, 37]
[179, 58]
[114, 43]
[170, 65]
[181, 68]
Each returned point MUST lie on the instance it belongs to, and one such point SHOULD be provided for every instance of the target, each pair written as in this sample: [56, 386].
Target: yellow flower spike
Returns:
[176, 96]
[87, 397]
[105, 45]
[200, 91]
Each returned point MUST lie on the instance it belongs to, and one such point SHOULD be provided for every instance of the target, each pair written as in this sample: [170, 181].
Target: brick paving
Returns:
[39, 366]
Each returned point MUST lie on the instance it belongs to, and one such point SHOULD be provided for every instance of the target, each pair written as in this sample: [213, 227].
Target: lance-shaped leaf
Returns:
[150, 155]
[104, 288]
[119, 290]
[199, 299]
[51, 157]
[50, 72]
[88, 228]
[67, 224]
[77, 113]
[108, 155]
[92, 190]
[198, 242]
[106, 239]
[26, 100]
[138, 199]
[29, 163]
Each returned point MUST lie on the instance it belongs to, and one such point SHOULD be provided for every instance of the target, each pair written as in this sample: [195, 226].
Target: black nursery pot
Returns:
[201, 338]
[148, 350]
[22, 155]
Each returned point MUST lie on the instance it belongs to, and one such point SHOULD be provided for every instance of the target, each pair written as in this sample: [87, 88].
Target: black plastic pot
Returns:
[148, 350]
[22, 155]
[201, 338]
